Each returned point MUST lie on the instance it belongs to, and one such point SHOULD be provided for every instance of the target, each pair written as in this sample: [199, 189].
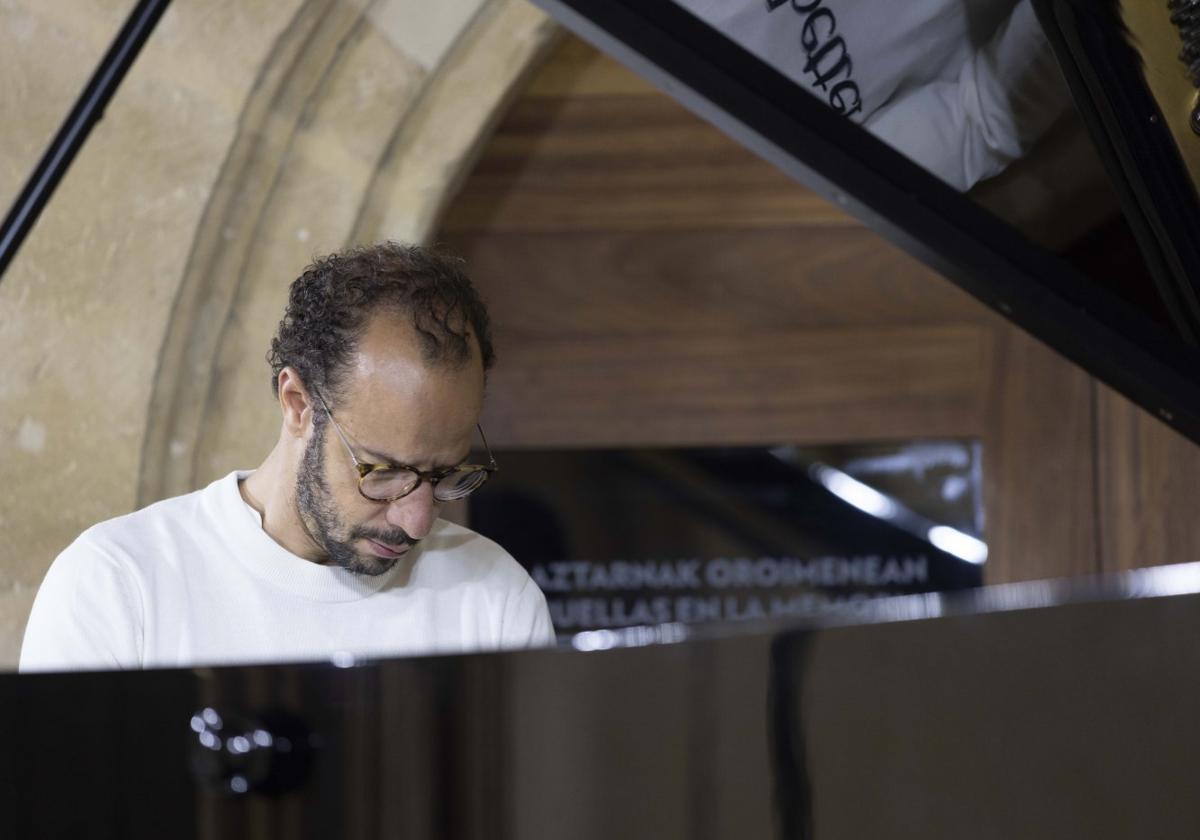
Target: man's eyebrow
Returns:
[380, 458]
[398, 462]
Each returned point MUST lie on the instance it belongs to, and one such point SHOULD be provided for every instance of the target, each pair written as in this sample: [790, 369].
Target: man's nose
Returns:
[416, 512]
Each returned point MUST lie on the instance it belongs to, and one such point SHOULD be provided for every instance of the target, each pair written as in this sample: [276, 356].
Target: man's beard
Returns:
[314, 503]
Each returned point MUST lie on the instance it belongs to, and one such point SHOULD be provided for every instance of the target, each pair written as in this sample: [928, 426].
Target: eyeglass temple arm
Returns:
[359, 466]
[491, 458]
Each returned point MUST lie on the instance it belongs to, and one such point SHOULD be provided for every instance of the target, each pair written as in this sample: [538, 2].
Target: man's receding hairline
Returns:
[398, 315]
[338, 298]
[341, 376]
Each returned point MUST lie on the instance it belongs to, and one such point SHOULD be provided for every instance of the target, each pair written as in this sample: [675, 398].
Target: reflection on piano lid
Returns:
[1134, 69]
[962, 87]
[1090, 252]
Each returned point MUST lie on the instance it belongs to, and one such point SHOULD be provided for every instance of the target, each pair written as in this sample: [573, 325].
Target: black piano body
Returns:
[1027, 710]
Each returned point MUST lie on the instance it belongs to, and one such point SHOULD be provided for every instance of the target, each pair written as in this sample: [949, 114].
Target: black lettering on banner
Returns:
[809, 38]
[772, 5]
[827, 55]
[837, 98]
[823, 75]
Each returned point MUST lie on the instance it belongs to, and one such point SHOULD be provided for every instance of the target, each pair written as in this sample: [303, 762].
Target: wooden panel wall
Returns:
[1149, 508]
[653, 283]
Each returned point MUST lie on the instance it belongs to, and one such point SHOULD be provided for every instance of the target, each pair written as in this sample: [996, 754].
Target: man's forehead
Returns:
[390, 366]
[389, 335]
[390, 344]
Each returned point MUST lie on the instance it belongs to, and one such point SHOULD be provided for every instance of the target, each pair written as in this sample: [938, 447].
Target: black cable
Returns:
[88, 110]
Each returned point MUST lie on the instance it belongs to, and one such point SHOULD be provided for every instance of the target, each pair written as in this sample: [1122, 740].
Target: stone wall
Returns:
[248, 137]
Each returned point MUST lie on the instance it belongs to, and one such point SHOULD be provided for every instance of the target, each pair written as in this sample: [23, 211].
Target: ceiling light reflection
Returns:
[962, 546]
[853, 492]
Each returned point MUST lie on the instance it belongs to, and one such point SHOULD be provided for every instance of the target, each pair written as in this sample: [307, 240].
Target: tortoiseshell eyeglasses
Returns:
[389, 482]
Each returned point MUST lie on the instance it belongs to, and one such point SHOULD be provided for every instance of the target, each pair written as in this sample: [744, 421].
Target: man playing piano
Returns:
[333, 545]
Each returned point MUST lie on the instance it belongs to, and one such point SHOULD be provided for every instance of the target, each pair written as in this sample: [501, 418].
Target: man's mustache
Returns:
[396, 538]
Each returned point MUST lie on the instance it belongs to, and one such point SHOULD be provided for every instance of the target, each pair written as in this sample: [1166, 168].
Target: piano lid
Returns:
[1009, 145]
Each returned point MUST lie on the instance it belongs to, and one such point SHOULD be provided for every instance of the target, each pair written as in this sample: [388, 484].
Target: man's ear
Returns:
[295, 402]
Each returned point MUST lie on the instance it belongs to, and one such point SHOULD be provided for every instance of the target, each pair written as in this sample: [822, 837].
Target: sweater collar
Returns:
[268, 560]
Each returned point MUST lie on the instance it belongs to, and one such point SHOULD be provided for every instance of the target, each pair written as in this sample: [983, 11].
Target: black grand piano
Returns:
[1029, 710]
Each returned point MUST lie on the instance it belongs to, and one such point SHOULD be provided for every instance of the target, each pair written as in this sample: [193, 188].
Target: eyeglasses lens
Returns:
[394, 483]
[459, 484]
[388, 484]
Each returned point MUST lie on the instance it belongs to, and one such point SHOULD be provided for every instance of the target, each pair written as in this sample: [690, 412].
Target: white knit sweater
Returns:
[196, 580]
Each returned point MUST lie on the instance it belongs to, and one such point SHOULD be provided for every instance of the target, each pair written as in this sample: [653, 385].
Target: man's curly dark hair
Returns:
[330, 304]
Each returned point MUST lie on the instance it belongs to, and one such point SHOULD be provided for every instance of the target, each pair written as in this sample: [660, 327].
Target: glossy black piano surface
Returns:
[1031, 710]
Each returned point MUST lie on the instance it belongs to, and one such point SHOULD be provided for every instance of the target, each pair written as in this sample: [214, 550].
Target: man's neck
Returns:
[270, 490]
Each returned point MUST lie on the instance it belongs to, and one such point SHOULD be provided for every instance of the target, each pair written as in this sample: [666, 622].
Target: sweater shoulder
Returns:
[130, 535]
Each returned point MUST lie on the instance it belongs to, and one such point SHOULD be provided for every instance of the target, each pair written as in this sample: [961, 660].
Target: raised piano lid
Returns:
[1029, 710]
[1065, 271]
